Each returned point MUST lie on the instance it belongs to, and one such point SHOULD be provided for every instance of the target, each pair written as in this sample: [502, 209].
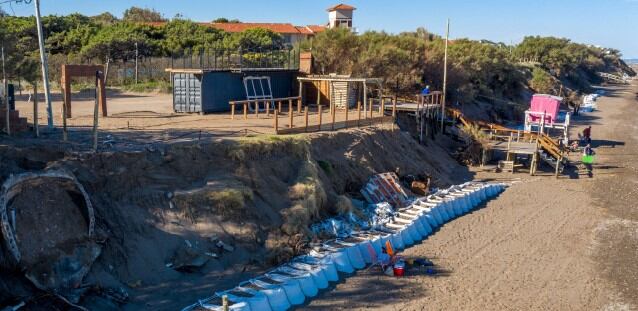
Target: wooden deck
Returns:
[413, 107]
[514, 147]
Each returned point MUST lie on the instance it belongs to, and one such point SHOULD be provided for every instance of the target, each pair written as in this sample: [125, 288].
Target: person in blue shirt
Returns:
[426, 90]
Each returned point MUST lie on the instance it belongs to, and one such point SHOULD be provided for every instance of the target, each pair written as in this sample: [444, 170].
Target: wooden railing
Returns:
[280, 102]
[330, 118]
[331, 122]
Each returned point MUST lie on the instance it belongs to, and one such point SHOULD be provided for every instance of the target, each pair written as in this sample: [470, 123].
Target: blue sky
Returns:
[610, 23]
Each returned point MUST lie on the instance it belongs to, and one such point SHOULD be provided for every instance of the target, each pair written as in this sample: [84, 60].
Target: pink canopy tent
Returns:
[548, 104]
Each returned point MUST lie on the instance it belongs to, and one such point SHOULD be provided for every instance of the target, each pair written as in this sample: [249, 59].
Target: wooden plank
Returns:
[232, 110]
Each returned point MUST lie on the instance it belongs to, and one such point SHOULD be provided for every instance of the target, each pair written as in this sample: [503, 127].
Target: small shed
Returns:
[338, 91]
[207, 91]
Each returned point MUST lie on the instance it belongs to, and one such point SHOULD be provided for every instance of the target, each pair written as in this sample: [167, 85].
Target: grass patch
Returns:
[229, 203]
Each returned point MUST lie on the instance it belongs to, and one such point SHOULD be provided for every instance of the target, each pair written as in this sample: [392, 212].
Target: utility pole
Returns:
[136, 57]
[45, 65]
[447, 38]
[6, 94]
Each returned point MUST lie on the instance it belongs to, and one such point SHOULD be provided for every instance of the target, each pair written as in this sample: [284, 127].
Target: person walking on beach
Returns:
[587, 135]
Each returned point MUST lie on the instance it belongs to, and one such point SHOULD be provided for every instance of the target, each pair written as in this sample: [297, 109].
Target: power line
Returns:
[16, 1]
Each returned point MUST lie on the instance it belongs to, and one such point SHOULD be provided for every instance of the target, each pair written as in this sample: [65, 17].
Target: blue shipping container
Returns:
[212, 90]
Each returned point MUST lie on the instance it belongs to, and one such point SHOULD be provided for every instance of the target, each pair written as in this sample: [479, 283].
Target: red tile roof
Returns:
[304, 30]
[317, 28]
[239, 27]
[341, 7]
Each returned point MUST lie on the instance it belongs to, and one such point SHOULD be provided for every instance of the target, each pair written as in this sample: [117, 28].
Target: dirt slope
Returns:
[168, 204]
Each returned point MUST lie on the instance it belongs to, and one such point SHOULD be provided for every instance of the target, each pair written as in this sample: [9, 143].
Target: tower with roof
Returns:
[340, 15]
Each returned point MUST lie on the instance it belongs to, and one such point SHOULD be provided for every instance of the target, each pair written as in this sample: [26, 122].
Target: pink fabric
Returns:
[544, 103]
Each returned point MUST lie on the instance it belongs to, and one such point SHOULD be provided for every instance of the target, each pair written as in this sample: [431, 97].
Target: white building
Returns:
[340, 16]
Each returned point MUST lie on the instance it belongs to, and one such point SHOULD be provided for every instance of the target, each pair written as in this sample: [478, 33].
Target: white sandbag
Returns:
[325, 260]
[274, 293]
[307, 282]
[255, 299]
[340, 259]
[356, 259]
[291, 286]
[315, 270]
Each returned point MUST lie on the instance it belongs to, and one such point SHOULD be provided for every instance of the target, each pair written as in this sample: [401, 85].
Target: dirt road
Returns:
[545, 244]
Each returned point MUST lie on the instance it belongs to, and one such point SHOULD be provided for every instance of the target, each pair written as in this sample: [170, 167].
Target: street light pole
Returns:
[447, 38]
[45, 65]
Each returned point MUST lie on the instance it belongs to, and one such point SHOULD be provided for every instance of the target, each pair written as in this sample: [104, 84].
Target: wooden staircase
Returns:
[17, 123]
[551, 152]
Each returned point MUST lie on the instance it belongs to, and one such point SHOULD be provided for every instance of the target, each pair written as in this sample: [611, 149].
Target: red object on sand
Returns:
[399, 269]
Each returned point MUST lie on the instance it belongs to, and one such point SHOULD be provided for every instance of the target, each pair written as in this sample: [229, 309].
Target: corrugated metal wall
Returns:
[187, 92]
[213, 91]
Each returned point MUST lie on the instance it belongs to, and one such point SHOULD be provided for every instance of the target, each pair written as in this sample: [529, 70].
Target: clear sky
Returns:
[609, 23]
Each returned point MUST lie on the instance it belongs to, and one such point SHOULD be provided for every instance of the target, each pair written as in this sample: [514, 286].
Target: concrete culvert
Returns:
[47, 227]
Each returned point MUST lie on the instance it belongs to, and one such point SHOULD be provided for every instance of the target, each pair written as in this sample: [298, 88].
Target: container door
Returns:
[179, 92]
[194, 93]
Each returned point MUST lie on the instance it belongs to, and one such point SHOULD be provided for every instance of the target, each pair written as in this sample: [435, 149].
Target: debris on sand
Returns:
[50, 234]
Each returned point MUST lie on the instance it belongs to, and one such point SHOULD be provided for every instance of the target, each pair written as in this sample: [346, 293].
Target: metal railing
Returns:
[239, 59]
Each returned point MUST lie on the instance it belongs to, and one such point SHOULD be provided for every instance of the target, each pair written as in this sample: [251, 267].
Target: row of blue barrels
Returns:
[295, 282]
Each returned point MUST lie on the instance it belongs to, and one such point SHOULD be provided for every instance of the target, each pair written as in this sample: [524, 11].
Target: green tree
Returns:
[254, 39]
[105, 18]
[542, 82]
[140, 15]
[181, 35]
[117, 42]
[223, 20]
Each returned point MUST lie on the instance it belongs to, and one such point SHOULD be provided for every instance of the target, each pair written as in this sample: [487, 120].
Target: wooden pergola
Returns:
[70, 71]
[333, 79]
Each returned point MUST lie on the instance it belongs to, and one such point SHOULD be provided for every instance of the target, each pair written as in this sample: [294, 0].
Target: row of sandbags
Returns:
[293, 283]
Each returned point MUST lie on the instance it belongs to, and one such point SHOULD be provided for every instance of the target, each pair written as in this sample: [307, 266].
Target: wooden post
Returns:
[306, 117]
[276, 122]
[267, 103]
[394, 108]
[332, 116]
[65, 135]
[299, 105]
[245, 111]
[371, 104]
[382, 107]
[318, 93]
[279, 106]
[347, 109]
[301, 91]
[96, 109]
[102, 92]
[320, 115]
[290, 114]
[232, 110]
[225, 303]
[560, 160]
[35, 109]
[365, 96]
[358, 113]
[256, 109]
